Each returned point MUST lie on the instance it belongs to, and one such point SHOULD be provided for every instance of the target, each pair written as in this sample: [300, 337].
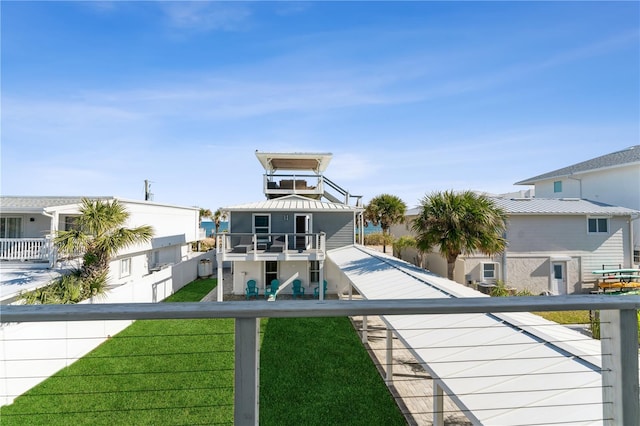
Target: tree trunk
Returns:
[451, 264]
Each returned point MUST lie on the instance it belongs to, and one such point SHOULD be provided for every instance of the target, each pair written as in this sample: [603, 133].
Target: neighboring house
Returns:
[553, 245]
[286, 236]
[612, 178]
[28, 225]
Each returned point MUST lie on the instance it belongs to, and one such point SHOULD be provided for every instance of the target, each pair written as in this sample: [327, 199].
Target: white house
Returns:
[553, 245]
[611, 178]
[28, 224]
[286, 236]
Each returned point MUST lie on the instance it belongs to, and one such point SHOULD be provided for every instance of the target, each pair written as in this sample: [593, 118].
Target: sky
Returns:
[409, 97]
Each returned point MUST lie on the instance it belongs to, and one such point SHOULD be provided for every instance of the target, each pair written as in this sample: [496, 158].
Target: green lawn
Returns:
[179, 372]
[566, 317]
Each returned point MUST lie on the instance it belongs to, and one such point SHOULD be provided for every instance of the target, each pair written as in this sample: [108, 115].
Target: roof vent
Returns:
[521, 199]
[569, 199]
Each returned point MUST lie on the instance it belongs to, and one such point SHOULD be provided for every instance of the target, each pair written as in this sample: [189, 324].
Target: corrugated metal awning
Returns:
[500, 369]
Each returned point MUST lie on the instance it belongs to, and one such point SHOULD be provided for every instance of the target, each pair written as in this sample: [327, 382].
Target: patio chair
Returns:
[252, 290]
[316, 291]
[271, 291]
[298, 290]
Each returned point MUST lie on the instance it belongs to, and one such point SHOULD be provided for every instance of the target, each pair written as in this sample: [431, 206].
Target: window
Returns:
[557, 186]
[71, 223]
[125, 267]
[489, 271]
[270, 272]
[636, 256]
[262, 225]
[598, 224]
[11, 227]
[314, 271]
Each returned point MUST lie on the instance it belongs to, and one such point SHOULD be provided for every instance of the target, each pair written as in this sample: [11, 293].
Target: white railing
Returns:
[619, 338]
[25, 249]
[268, 244]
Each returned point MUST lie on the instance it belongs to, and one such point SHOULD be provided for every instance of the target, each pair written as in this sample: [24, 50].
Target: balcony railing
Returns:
[20, 249]
[620, 403]
[309, 185]
[232, 245]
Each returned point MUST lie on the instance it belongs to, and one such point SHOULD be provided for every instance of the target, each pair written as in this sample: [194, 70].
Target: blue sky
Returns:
[410, 97]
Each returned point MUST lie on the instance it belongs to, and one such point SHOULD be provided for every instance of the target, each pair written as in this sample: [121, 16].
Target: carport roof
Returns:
[500, 369]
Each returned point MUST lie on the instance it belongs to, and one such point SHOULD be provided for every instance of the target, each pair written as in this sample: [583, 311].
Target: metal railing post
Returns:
[389, 356]
[247, 380]
[619, 342]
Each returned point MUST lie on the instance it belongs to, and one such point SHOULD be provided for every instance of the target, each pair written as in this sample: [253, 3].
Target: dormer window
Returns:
[557, 186]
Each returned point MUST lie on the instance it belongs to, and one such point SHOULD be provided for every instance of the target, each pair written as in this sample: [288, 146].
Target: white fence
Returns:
[31, 352]
[25, 249]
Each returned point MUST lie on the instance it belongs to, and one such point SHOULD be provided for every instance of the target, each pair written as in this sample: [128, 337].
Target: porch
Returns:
[274, 246]
[27, 249]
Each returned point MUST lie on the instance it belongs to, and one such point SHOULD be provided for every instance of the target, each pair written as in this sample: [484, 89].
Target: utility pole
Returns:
[148, 196]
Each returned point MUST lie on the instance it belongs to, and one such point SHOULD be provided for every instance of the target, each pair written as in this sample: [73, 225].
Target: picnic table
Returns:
[620, 278]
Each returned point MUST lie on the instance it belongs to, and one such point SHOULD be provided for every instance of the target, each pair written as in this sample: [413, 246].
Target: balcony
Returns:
[613, 400]
[26, 249]
[240, 246]
[309, 185]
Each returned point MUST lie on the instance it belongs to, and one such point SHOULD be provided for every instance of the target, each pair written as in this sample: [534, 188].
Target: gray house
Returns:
[286, 236]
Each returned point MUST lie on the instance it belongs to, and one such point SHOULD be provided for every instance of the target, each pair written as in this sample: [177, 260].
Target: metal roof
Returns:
[560, 206]
[272, 161]
[293, 203]
[500, 369]
[24, 204]
[37, 203]
[553, 206]
[614, 159]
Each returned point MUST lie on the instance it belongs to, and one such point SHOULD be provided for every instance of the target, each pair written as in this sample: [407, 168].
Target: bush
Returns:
[68, 289]
[377, 239]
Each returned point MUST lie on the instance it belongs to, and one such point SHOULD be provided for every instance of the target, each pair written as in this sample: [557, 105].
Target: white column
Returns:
[321, 283]
[220, 285]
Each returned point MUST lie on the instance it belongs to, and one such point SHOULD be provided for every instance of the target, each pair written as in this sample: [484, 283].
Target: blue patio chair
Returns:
[252, 290]
[298, 290]
[316, 291]
[271, 291]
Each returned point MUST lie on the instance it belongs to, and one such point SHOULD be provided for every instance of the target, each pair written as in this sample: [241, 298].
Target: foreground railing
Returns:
[619, 331]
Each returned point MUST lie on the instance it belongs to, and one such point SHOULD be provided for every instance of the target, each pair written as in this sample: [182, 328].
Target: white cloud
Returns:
[200, 16]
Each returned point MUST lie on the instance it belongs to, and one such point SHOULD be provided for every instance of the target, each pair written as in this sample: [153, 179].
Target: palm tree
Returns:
[218, 217]
[459, 223]
[204, 213]
[403, 243]
[100, 234]
[385, 210]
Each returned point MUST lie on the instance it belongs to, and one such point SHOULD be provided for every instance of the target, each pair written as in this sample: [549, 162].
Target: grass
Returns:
[313, 371]
[566, 317]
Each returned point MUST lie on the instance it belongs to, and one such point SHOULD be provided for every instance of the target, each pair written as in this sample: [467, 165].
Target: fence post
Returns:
[247, 379]
[389, 360]
[619, 342]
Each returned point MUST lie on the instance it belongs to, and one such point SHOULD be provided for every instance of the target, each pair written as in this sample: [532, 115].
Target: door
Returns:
[558, 278]
[303, 226]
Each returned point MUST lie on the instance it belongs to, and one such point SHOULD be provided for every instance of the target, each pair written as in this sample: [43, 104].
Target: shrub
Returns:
[377, 239]
[67, 289]
[500, 290]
